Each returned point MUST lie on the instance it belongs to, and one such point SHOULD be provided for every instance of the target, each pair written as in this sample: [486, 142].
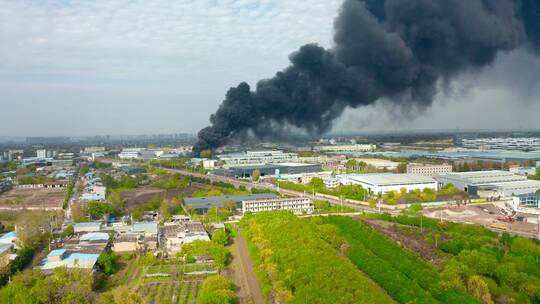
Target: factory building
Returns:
[430, 170]
[202, 204]
[347, 148]
[490, 183]
[256, 158]
[268, 169]
[386, 182]
[297, 205]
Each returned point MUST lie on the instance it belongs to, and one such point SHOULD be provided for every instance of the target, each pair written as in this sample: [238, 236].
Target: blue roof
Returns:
[92, 197]
[148, 227]
[9, 235]
[56, 252]
[95, 236]
[87, 224]
[74, 260]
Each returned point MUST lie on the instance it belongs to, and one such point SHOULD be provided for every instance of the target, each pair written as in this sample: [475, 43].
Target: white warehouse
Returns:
[297, 205]
[386, 182]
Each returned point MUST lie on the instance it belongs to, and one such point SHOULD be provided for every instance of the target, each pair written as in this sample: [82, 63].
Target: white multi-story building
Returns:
[386, 182]
[94, 149]
[509, 143]
[347, 148]
[41, 153]
[257, 158]
[430, 170]
[297, 205]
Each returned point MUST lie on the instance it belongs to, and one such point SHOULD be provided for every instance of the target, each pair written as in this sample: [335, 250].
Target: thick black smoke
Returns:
[392, 49]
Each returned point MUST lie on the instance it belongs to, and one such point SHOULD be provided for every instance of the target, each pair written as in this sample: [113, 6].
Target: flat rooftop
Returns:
[213, 201]
[484, 177]
[388, 178]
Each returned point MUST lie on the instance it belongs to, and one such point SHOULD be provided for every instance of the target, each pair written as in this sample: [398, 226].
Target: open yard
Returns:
[32, 199]
[485, 215]
[139, 196]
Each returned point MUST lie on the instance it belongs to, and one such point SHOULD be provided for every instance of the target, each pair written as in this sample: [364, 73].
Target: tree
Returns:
[125, 295]
[479, 289]
[220, 237]
[229, 204]
[107, 263]
[402, 168]
[79, 212]
[69, 231]
[317, 184]
[205, 153]
[217, 289]
[256, 174]
[118, 203]
[97, 209]
[416, 208]
[167, 208]
[33, 227]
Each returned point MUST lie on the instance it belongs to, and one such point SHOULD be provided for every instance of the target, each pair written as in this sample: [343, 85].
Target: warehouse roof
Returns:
[213, 201]
[388, 178]
[484, 177]
[95, 236]
[525, 184]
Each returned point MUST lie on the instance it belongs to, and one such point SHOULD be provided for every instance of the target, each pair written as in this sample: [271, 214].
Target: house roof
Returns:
[56, 252]
[74, 260]
[9, 235]
[146, 227]
[87, 225]
[95, 236]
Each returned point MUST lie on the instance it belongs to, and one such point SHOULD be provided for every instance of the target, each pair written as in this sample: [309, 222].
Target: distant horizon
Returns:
[329, 134]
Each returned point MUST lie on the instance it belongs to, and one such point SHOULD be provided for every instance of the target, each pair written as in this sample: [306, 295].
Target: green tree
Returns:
[220, 237]
[402, 168]
[256, 174]
[33, 228]
[69, 231]
[107, 263]
[98, 209]
[217, 289]
[205, 153]
[79, 212]
[118, 203]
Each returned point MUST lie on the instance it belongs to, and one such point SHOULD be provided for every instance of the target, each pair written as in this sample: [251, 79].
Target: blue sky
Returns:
[133, 67]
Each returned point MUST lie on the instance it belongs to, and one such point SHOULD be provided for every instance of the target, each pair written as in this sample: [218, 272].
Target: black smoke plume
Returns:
[392, 49]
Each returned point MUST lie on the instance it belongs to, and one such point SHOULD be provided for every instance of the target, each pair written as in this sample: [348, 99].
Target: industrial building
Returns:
[347, 148]
[202, 204]
[297, 205]
[378, 163]
[256, 158]
[505, 143]
[267, 169]
[490, 183]
[430, 170]
[386, 182]
[140, 153]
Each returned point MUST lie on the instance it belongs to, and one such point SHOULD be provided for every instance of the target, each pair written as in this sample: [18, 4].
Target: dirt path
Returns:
[243, 273]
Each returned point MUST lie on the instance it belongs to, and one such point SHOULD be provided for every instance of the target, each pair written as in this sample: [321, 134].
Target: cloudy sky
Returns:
[144, 67]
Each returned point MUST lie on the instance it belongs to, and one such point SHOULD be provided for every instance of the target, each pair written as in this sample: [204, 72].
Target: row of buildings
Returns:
[495, 183]
[251, 203]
